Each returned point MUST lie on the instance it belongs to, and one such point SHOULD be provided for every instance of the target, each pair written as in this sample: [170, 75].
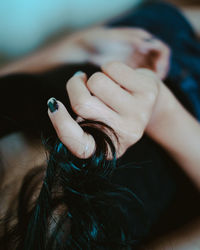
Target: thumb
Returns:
[69, 131]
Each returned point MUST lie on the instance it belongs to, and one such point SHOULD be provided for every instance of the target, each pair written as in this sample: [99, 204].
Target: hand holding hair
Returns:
[131, 102]
[120, 97]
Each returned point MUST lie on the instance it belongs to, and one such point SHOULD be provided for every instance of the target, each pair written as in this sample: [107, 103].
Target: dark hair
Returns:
[70, 203]
[78, 206]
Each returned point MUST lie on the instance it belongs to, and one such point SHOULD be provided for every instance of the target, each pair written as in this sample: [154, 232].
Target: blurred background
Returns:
[25, 25]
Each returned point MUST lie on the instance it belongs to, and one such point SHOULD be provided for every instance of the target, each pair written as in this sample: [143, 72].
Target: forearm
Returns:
[60, 52]
[69, 49]
[179, 133]
[35, 62]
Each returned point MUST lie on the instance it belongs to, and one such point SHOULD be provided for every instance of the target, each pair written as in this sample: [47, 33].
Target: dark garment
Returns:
[147, 170]
[168, 24]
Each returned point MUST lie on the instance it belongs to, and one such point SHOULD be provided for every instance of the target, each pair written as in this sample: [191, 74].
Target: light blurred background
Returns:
[26, 25]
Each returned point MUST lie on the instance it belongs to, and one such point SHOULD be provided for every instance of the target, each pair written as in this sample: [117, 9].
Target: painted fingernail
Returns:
[79, 73]
[52, 104]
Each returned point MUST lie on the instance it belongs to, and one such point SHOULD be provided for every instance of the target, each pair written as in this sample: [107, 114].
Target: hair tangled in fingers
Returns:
[72, 203]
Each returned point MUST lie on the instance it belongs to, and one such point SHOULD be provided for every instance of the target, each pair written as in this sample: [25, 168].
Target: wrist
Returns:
[178, 132]
[164, 113]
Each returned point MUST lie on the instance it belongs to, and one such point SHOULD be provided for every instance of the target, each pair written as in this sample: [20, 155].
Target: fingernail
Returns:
[79, 73]
[52, 104]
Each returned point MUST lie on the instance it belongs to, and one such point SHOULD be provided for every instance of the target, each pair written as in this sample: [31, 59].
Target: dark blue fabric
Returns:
[168, 24]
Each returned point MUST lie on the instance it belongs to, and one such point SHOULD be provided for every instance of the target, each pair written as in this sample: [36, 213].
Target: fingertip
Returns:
[55, 107]
[52, 104]
[81, 75]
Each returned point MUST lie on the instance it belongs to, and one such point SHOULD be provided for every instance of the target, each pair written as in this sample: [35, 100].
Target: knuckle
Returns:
[95, 80]
[150, 95]
[133, 134]
[147, 72]
[113, 65]
[82, 106]
[134, 137]
[151, 80]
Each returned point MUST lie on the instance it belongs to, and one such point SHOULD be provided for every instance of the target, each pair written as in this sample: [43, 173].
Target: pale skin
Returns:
[141, 103]
[148, 106]
[133, 46]
[130, 88]
[144, 103]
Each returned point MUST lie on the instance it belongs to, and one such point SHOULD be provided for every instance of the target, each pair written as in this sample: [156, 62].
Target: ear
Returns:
[153, 55]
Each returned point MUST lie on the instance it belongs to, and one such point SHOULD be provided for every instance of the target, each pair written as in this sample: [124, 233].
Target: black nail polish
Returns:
[52, 104]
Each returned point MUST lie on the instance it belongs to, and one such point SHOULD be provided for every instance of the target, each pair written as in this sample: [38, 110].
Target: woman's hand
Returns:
[133, 46]
[131, 102]
[120, 97]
